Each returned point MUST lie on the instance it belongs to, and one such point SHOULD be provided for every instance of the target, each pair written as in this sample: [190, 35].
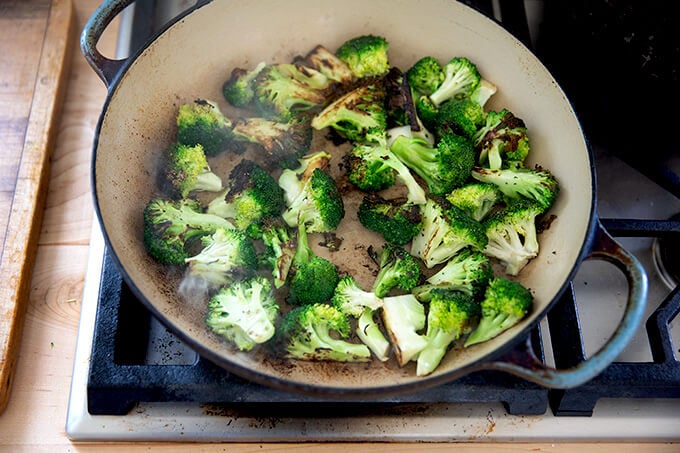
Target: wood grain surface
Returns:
[34, 420]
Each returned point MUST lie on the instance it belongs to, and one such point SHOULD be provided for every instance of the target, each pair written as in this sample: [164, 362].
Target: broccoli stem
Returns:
[208, 181]
[489, 328]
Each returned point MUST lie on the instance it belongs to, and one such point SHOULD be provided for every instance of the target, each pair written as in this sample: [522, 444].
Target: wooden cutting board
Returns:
[36, 38]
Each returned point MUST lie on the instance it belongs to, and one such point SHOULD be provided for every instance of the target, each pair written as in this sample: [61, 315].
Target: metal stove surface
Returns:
[618, 418]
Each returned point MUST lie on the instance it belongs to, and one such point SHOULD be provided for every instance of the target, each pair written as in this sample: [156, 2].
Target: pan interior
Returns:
[196, 55]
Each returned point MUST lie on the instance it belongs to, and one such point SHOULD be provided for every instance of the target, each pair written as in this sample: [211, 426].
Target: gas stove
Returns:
[134, 380]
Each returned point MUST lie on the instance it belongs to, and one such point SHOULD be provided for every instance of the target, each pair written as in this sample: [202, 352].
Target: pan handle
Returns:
[525, 363]
[106, 68]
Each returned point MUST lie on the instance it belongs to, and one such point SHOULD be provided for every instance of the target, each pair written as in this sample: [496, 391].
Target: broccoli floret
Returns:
[328, 64]
[446, 231]
[311, 278]
[461, 79]
[503, 140]
[239, 89]
[476, 199]
[483, 92]
[396, 220]
[292, 180]
[426, 75]
[187, 169]
[227, 255]
[306, 333]
[170, 227]
[468, 272]
[451, 315]
[505, 304]
[443, 167]
[280, 248]
[251, 195]
[319, 206]
[372, 167]
[280, 96]
[538, 185]
[398, 269]
[244, 313]
[461, 117]
[358, 115]
[403, 317]
[202, 122]
[512, 235]
[283, 143]
[427, 112]
[366, 55]
[352, 300]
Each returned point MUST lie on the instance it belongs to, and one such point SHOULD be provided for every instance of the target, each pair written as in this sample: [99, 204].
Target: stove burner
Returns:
[666, 250]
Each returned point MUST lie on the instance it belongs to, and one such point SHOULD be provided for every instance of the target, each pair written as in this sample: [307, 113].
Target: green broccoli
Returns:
[311, 278]
[318, 206]
[280, 96]
[461, 117]
[171, 226]
[280, 248]
[328, 64]
[244, 312]
[358, 115]
[476, 199]
[426, 75]
[443, 167]
[505, 304]
[461, 79]
[366, 55]
[251, 195]
[451, 315]
[427, 111]
[403, 317]
[283, 143]
[512, 235]
[446, 231]
[227, 255]
[538, 185]
[468, 272]
[352, 300]
[398, 269]
[396, 220]
[202, 122]
[307, 333]
[239, 89]
[372, 167]
[187, 169]
[292, 180]
[502, 141]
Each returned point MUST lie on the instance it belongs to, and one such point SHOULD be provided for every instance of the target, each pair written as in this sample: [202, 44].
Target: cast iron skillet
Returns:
[191, 59]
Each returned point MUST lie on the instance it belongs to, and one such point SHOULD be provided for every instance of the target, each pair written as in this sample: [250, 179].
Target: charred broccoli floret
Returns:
[280, 96]
[461, 79]
[398, 269]
[366, 55]
[202, 122]
[328, 64]
[451, 315]
[283, 143]
[426, 75]
[170, 227]
[538, 185]
[239, 89]
[311, 278]
[358, 115]
[187, 170]
[468, 272]
[227, 255]
[244, 313]
[404, 317]
[319, 206]
[461, 117]
[512, 235]
[396, 220]
[446, 231]
[476, 199]
[307, 333]
[505, 304]
[280, 248]
[251, 195]
[502, 141]
[352, 300]
[443, 167]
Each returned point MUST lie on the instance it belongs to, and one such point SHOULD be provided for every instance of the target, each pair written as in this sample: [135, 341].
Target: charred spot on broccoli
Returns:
[398, 269]
[502, 141]
[396, 220]
[404, 317]
[280, 96]
[328, 64]
[280, 248]
[202, 123]
[239, 89]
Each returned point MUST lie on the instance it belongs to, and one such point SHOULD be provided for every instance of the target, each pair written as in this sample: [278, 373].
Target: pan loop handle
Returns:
[525, 364]
[106, 68]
